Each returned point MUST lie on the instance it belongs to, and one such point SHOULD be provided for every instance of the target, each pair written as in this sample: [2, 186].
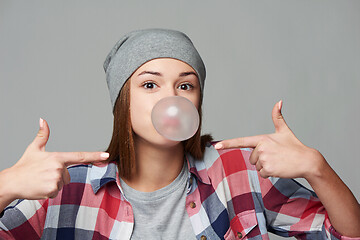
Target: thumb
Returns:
[42, 136]
[278, 119]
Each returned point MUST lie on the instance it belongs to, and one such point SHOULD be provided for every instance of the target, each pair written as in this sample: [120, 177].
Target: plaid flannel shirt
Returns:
[226, 199]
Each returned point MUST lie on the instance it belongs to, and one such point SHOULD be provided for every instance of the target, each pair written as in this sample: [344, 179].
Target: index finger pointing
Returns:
[242, 142]
[69, 158]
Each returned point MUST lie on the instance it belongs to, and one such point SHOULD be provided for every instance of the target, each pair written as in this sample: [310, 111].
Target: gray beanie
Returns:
[141, 46]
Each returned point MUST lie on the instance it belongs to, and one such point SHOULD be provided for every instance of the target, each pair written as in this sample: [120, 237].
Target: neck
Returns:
[156, 167]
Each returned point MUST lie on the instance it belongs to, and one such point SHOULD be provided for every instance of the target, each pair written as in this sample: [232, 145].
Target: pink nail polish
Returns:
[280, 104]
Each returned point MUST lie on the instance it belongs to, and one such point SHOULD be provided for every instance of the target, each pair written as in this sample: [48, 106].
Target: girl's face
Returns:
[154, 80]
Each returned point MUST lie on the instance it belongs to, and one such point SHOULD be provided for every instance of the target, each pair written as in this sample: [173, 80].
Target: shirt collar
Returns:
[102, 174]
[199, 167]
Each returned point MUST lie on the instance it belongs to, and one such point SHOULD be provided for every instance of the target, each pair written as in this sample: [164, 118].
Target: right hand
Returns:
[40, 174]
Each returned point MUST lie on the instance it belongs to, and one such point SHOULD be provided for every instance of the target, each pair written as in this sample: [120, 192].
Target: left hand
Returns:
[279, 154]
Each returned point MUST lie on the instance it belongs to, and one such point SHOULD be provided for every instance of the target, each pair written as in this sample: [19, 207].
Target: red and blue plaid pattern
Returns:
[227, 199]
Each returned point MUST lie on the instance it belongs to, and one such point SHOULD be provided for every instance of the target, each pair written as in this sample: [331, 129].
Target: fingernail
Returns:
[104, 155]
[280, 104]
[218, 146]
[41, 123]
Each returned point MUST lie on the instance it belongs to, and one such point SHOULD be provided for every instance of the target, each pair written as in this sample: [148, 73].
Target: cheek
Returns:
[194, 97]
[195, 100]
[140, 113]
[197, 103]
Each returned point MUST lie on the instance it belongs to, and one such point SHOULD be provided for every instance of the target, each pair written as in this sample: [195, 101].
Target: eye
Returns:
[186, 86]
[149, 85]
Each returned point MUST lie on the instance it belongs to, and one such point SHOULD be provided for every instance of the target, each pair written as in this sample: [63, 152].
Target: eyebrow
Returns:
[150, 72]
[183, 74]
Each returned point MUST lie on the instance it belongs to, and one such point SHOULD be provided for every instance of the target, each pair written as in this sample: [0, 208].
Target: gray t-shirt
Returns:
[161, 214]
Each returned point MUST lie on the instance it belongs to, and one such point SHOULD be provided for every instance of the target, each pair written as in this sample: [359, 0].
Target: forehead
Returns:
[165, 64]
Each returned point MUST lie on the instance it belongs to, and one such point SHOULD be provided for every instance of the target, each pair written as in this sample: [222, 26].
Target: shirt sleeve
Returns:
[24, 220]
[293, 210]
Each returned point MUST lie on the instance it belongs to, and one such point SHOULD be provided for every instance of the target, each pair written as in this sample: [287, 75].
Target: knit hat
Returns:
[141, 46]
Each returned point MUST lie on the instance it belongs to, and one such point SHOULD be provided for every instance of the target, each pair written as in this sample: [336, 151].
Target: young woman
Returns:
[148, 187]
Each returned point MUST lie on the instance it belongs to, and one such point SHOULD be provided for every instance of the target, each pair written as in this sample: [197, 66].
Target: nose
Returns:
[167, 91]
[170, 92]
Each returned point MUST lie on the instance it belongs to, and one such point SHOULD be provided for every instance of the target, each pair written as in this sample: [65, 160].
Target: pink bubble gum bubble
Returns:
[175, 118]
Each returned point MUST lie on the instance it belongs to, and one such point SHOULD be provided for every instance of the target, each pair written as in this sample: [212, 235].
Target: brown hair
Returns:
[121, 147]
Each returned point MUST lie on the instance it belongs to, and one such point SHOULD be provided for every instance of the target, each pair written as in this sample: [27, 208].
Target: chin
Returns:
[157, 140]
[164, 142]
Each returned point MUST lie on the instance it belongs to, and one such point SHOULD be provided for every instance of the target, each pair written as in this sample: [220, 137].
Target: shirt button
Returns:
[193, 205]
[239, 234]
[203, 237]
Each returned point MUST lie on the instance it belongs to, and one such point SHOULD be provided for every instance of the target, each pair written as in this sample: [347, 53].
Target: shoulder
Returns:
[217, 165]
[236, 159]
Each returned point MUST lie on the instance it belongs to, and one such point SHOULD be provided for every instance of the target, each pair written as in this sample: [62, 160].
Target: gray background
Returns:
[256, 53]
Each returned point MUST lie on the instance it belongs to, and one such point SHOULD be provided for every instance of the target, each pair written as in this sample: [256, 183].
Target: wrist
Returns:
[317, 165]
[7, 191]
